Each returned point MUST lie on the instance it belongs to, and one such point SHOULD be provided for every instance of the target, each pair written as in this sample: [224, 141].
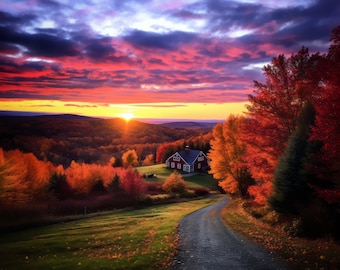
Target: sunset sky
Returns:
[180, 59]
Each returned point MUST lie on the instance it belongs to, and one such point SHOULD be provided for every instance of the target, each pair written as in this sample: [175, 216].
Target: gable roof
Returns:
[189, 155]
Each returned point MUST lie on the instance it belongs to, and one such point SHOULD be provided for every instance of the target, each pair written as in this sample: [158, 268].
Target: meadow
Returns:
[135, 239]
[192, 180]
[142, 237]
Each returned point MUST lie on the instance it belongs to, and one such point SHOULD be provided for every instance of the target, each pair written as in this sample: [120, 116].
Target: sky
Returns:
[179, 59]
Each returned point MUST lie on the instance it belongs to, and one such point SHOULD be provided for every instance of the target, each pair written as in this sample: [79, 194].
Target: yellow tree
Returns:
[82, 177]
[226, 157]
[148, 160]
[12, 188]
[23, 177]
[130, 159]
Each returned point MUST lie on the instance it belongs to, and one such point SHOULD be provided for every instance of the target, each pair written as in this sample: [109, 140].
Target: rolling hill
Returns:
[63, 138]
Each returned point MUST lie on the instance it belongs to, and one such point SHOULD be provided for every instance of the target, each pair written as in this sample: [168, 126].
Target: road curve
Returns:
[206, 243]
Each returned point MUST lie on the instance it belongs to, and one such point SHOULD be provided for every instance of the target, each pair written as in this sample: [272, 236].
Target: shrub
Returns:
[133, 184]
[272, 218]
[174, 184]
[201, 191]
[258, 211]
[154, 188]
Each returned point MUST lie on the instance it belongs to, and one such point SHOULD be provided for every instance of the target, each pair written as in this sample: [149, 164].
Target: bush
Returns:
[174, 184]
[201, 191]
[272, 218]
[258, 211]
[153, 188]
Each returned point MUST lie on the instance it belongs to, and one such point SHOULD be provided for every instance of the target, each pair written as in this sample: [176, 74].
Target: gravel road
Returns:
[206, 243]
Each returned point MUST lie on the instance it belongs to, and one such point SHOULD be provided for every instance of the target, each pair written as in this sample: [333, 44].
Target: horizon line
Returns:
[148, 120]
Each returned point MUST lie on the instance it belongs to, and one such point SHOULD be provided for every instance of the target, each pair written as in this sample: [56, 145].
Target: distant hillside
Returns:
[66, 116]
[191, 125]
[63, 138]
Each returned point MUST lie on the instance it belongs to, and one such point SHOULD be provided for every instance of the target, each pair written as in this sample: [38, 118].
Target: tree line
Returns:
[284, 153]
[25, 178]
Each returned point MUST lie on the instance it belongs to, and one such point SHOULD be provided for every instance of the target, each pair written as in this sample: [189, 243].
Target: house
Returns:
[188, 160]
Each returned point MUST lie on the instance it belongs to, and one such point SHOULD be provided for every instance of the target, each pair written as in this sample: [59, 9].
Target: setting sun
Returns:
[127, 116]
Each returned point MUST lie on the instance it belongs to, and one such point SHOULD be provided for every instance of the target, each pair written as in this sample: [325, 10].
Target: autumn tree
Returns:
[112, 161]
[38, 174]
[23, 177]
[12, 186]
[83, 177]
[149, 160]
[133, 184]
[174, 184]
[273, 114]
[226, 157]
[165, 150]
[327, 124]
[130, 159]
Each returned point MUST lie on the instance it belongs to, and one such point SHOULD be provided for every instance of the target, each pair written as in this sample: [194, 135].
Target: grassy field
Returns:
[159, 169]
[299, 253]
[137, 239]
[193, 181]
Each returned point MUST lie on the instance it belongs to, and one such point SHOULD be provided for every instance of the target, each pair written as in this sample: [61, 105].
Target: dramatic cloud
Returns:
[204, 51]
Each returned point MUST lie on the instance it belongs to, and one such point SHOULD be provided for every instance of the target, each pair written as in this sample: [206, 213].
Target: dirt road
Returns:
[206, 243]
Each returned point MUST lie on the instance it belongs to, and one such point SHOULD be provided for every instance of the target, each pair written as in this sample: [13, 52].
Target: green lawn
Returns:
[201, 180]
[195, 181]
[137, 239]
[160, 170]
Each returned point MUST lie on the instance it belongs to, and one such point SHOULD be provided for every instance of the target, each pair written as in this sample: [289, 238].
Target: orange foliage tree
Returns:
[149, 160]
[165, 150]
[23, 177]
[83, 177]
[12, 186]
[226, 157]
[273, 112]
[130, 159]
[174, 184]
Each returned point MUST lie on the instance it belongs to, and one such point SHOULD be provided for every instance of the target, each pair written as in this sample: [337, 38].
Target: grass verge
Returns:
[137, 239]
[299, 253]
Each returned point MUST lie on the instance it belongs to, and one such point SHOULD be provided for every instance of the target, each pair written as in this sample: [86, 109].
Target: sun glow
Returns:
[140, 111]
[127, 116]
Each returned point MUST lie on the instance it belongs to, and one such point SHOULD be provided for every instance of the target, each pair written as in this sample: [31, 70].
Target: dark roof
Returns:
[189, 155]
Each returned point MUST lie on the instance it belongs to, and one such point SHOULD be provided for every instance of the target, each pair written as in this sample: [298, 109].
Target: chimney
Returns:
[187, 149]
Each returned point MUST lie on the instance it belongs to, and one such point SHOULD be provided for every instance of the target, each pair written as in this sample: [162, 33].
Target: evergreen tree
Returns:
[290, 186]
[115, 183]
[59, 186]
[98, 186]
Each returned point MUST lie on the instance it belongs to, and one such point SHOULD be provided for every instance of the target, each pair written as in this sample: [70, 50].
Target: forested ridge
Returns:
[61, 139]
[60, 163]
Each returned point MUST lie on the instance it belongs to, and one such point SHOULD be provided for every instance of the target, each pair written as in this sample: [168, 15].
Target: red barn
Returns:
[188, 160]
